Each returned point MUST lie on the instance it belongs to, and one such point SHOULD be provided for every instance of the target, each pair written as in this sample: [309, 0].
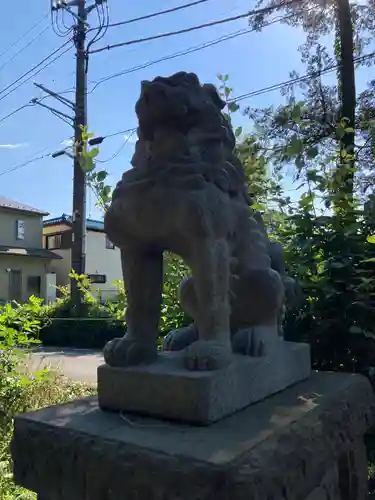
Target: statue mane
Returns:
[184, 138]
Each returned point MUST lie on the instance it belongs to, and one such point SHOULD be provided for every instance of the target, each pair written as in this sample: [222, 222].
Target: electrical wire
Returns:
[155, 14]
[41, 154]
[64, 12]
[10, 47]
[56, 26]
[292, 81]
[187, 51]
[131, 131]
[15, 111]
[24, 47]
[126, 131]
[33, 68]
[25, 163]
[261, 11]
[61, 117]
[104, 19]
[31, 104]
[115, 155]
[264, 90]
[36, 73]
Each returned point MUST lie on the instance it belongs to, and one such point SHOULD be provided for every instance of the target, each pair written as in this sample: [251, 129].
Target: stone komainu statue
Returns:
[186, 193]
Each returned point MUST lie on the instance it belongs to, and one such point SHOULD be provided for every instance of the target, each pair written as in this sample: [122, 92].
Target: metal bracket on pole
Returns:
[61, 153]
[55, 95]
[56, 112]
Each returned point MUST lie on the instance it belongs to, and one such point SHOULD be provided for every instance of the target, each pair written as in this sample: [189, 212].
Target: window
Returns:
[20, 230]
[97, 278]
[34, 285]
[108, 243]
[53, 241]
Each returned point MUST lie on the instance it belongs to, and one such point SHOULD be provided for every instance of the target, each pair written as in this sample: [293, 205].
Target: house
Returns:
[103, 261]
[25, 265]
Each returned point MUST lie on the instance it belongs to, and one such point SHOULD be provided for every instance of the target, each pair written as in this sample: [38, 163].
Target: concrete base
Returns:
[165, 389]
[305, 443]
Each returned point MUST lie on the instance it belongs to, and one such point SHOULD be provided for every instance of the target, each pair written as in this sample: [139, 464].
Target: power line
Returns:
[98, 140]
[103, 18]
[264, 90]
[119, 150]
[37, 72]
[24, 35]
[187, 51]
[35, 67]
[127, 131]
[131, 131]
[31, 103]
[155, 14]
[24, 47]
[15, 111]
[307, 76]
[264, 10]
[25, 163]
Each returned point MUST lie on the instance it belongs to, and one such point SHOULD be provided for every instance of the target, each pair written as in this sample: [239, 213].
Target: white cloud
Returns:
[13, 146]
[67, 143]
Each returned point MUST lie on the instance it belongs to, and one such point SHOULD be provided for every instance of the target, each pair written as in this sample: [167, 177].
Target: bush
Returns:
[172, 314]
[20, 393]
[92, 306]
[85, 333]
[334, 264]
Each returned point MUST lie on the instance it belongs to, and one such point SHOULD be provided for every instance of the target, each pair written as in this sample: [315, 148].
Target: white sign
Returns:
[50, 292]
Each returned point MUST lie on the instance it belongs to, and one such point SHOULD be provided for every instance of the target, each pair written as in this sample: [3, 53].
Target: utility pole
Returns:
[79, 175]
[78, 259]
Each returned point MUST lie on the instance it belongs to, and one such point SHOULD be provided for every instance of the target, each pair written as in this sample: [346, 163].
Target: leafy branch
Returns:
[96, 179]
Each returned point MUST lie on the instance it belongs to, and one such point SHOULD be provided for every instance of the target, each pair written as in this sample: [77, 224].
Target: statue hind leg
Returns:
[259, 292]
[143, 279]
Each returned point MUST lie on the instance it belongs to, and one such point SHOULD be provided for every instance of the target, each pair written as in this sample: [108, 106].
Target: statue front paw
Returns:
[177, 340]
[207, 355]
[125, 351]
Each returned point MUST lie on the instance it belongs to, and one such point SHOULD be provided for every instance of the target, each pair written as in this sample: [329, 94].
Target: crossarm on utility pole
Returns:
[55, 95]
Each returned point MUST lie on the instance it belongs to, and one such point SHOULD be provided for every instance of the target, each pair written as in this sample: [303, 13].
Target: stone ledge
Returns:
[279, 448]
[165, 389]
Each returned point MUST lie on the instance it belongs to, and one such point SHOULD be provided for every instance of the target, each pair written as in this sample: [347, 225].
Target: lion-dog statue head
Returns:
[181, 122]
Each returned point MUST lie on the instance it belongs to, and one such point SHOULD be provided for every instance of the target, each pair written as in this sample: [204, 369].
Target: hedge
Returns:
[90, 333]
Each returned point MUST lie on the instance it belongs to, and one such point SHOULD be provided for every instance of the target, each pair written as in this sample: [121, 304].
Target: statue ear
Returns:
[144, 85]
[211, 90]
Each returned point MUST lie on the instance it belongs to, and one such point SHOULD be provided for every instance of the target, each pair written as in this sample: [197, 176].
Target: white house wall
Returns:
[62, 267]
[101, 260]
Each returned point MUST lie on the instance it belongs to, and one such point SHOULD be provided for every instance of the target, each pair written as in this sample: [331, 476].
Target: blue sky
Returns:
[253, 61]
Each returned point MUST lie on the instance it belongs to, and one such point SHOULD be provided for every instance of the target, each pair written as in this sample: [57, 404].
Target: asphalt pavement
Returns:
[75, 364]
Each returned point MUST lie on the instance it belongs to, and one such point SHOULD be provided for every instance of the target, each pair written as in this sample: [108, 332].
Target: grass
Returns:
[20, 393]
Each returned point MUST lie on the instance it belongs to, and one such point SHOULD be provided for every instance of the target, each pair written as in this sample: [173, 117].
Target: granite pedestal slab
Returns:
[165, 389]
[305, 443]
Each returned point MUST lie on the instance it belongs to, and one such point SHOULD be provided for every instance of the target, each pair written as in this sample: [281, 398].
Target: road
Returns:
[76, 364]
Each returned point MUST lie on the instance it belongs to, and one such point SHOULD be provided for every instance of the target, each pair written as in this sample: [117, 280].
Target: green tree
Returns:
[352, 25]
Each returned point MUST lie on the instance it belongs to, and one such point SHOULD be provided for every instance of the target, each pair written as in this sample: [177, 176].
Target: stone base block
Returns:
[304, 443]
[165, 389]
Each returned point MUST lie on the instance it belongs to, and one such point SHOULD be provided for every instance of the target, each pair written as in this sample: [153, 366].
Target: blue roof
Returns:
[94, 225]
